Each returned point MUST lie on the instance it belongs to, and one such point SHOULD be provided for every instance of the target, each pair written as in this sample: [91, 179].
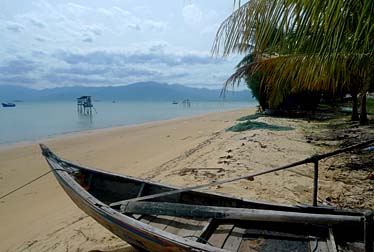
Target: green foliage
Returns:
[312, 46]
[370, 106]
[249, 125]
[252, 117]
[253, 82]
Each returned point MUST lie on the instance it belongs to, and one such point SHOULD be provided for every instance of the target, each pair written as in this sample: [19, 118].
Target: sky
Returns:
[57, 43]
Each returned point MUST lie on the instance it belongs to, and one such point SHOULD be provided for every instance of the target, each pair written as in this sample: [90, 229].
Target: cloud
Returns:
[94, 30]
[104, 67]
[14, 27]
[98, 76]
[37, 23]
[17, 80]
[155, 56]
[17, 67]
[40, 39]
[192, 14]
[156, 26]
[38, 54]
[87, 39]
[134, 27]
[127, 43]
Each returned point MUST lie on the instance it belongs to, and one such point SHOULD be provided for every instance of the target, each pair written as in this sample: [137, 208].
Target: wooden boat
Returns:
[8, 104]
[202, 221]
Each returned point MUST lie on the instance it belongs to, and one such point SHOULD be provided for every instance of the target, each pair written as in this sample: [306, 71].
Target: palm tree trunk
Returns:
[354, 116]
[363, 113]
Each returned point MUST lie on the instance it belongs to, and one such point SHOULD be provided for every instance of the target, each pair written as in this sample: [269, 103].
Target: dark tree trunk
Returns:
[363, 113]
[354, 107]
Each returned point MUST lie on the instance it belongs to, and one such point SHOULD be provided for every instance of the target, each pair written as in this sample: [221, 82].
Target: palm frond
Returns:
[328, 27]
[300, 45]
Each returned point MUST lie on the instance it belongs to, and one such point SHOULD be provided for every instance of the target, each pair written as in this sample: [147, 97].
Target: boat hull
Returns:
[8, 105]
[94, 192]
[120, 225]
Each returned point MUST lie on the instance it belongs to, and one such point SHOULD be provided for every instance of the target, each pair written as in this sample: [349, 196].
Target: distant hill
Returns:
[141, 91]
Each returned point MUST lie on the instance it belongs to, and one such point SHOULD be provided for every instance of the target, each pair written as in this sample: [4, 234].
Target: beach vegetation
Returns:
[251, 125]
[251, 117]
[303, 47]
[370, 106]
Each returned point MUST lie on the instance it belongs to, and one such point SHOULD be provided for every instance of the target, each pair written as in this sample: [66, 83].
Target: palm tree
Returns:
[253, 82]
[303, 45]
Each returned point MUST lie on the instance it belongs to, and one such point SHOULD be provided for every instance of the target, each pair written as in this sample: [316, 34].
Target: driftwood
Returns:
[200, 211]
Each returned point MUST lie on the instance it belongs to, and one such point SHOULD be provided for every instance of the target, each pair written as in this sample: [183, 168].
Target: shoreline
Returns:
[4, 146]
[42, 215]
[42, 218]
[46, 125]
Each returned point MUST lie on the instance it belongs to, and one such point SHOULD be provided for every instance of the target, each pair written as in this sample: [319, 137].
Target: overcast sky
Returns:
[112, 42]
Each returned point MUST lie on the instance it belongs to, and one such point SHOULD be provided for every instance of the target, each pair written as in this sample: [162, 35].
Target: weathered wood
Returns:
[187, 228]
[277, 234]
[161, 222]
[207, 230]
[368, 232]
[279, 245]
[315, 183]
[331, 241]
[108, 187]
[233, 241]
[251, 245]
[198, 211]
[146, 219]
[219, 236]
[318, 246]
[201, 223]
[141, 189]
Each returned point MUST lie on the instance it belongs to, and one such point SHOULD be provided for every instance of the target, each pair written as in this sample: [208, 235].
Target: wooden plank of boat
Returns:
[187, 228]
[273, 244]
[161, 222]
[220, 234]
[146, 219]
[198, 211]
[254, 232]
[318, 245]
[250, 245]
[233, 241]
[207, 230]
[331, 241]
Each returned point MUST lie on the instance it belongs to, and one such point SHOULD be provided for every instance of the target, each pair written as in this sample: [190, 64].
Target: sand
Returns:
[41, 217]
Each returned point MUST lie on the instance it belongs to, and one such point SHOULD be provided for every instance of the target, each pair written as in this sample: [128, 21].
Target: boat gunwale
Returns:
[287, 207]
[92, 202]
[68, 182]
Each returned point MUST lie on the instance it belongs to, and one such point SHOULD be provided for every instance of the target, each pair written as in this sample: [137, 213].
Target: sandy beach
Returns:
[41, 217]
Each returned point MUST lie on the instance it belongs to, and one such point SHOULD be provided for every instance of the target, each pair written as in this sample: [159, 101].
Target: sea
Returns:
[31, 121]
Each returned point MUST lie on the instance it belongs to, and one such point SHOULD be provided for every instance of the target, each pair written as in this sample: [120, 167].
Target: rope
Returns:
[28, 183]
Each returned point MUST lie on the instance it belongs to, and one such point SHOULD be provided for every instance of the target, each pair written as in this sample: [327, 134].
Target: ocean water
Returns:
[30, 121]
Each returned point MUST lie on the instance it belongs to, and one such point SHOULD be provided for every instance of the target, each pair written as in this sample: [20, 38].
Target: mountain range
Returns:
[140, 91]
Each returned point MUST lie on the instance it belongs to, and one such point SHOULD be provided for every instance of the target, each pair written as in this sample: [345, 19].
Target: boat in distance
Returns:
[152, 217]
[8, 104]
